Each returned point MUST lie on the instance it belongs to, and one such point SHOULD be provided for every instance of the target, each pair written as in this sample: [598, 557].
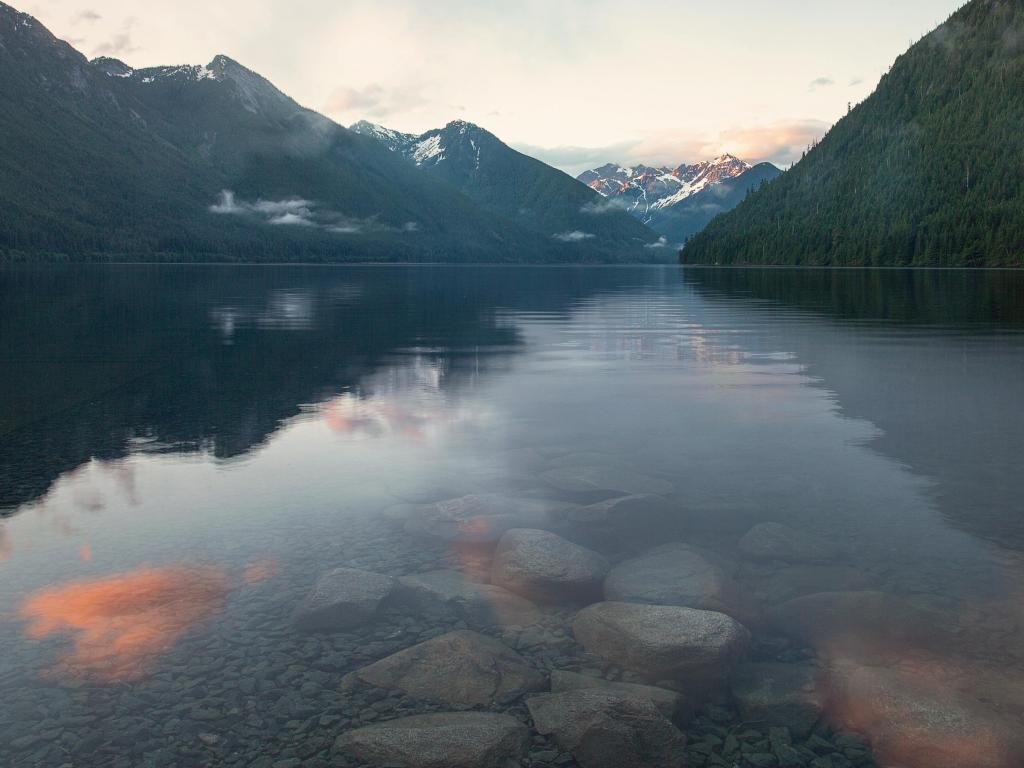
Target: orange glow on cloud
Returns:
[85, 553]
[120, 624]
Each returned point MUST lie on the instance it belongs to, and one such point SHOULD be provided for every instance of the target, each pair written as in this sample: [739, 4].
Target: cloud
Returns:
[662, 242]
[573, 237]
[118, 45]
[821, 82]
[281, 207]
[226, 204]
[856, 81]
[605, 205]
[374, 101]
[121, 43]
[297, 212]
[87, 17]
[290, 212]
[291, 219]
[576, 160]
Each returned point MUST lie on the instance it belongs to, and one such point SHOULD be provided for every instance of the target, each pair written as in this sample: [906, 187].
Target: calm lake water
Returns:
[185, 450]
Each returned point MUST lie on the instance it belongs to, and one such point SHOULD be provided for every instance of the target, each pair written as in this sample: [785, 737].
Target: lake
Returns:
[830, 458]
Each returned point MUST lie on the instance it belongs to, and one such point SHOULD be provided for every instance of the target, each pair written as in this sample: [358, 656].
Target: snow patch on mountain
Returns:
[392, 139]
[427, 149]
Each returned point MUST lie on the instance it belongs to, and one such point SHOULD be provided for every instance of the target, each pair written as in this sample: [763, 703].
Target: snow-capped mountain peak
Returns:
[643, 189]
[393, 140]
[458, 138]
[112, 67]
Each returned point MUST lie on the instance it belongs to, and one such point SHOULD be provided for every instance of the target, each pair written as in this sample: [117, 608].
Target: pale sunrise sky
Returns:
[574, 82]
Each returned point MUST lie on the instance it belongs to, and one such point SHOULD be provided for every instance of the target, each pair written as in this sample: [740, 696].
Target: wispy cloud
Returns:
[575, 160]
[298, 212]
[607, 205]
[573, 237]
[288, 212]
[662, 242]
[121, 43]
[375, 101]
[87, 16]
[821, 82]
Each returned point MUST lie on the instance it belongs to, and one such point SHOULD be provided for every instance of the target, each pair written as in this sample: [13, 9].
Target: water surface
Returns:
[183, 450]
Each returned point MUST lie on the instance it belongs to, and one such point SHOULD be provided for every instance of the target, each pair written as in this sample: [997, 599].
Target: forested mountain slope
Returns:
[928, 171]
[100, 161]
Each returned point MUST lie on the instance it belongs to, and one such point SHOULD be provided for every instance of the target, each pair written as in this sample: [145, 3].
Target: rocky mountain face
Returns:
[678, 202]
[642, 189]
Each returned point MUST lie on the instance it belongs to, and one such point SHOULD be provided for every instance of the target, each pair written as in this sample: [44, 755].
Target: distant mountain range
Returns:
[102, 161]
[644, 188]
[928, 171]
[678, 202]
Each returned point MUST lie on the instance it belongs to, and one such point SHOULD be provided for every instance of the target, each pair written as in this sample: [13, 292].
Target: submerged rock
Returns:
[685, 647]
[444, 740]
[459, 668]
[771, 586]
[582, 479]
[774, 541]
[639, 518]
[342, 599]
[916, 722]
[545, 567]
[481, 518]
[669, 703]
[861, 625]
[673, 574]
[451, 595]
[786, 695]
[608, 730]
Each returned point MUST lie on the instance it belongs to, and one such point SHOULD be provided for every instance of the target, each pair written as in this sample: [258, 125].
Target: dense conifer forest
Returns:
[928, 171]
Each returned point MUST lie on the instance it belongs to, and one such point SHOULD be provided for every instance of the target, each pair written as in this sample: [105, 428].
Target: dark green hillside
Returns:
[102, 162]
[534, 195]
[928, 171]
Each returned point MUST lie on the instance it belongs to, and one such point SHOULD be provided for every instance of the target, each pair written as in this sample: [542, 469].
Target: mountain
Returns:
[678, 202]
[642, 189]
[102, 161]
[511, 184]
[393, 140]
[685, 218]
[925, 172]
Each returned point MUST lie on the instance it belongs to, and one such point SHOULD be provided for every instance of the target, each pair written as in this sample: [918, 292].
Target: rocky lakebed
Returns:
[577, 619]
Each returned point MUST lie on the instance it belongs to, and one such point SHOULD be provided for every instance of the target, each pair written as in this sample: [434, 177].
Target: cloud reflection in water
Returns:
[121, 624]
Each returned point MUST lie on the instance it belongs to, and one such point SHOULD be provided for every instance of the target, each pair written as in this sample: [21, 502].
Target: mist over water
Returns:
[185, 450]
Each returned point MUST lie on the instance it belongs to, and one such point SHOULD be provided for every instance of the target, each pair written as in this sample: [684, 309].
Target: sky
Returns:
[576, 83]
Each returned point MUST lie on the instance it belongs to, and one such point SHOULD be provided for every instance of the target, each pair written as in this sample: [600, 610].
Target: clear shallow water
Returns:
[184, 450]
